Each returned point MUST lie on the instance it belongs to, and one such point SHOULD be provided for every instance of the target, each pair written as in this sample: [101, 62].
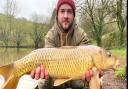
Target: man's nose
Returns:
[65, 15]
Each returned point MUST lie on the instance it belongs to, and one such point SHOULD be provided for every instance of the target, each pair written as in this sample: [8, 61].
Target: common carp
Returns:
[67, 63]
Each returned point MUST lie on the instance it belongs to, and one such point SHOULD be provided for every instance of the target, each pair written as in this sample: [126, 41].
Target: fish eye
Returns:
[109, 54]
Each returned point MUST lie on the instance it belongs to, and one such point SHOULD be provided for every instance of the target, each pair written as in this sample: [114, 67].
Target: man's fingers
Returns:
[37, 72]
[33, 73]
[46, 74]
[42, 71]
[91, 73]
[85, 75]
[88, 75]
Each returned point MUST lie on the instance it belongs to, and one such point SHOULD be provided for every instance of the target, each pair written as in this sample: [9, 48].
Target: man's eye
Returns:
[62, 11]
[70, 11]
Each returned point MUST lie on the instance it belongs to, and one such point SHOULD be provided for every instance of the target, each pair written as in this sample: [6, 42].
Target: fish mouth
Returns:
[116, 66]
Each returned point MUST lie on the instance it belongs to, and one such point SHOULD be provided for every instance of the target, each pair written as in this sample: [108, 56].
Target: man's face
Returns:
[65, 16]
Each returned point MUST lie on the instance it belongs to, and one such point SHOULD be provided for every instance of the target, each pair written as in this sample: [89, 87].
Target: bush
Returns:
[111, 40]
[121, 73]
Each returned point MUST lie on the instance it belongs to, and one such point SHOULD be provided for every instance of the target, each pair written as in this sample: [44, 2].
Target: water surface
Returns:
[9, 55]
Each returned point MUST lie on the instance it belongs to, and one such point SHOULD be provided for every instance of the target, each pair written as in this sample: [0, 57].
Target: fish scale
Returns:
[61, 64]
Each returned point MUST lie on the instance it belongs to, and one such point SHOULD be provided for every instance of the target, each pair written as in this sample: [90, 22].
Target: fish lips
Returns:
[116, 66]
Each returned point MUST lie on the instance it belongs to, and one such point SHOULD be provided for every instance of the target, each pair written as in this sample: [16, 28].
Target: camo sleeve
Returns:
[49, 40]
[82, 37]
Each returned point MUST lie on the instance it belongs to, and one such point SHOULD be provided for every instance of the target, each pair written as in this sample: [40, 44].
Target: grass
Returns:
[121, 72]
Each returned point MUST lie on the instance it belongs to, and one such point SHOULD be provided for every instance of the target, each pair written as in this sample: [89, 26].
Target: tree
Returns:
[10, 9]
[18, 33]
[121, 18]
[97, 11]
[37, 33]
[5, 36]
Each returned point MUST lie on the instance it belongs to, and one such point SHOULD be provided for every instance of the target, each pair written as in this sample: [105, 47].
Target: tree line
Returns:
[99, 18]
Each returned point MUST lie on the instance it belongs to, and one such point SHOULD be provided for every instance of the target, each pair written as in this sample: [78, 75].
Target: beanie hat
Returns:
[69, 2]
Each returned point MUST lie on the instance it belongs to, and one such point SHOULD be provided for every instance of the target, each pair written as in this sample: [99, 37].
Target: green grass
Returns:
[121, 72]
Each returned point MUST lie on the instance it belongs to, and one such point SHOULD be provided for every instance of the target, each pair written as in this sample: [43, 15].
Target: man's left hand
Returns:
[89, 74]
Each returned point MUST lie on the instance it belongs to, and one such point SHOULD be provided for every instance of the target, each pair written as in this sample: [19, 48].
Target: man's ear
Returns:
[56, 18]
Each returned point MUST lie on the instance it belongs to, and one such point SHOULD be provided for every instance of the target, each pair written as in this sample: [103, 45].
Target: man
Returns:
[65, 32]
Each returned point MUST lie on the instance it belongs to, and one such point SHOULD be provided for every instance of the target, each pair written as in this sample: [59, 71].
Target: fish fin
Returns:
[58, 82]
[6, 70]
[11, 83]
[94, 83]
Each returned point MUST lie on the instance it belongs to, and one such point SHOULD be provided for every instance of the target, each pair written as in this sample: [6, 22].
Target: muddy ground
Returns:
[110, 82]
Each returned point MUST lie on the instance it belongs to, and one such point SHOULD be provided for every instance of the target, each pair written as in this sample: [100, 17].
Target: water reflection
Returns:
[9, 55]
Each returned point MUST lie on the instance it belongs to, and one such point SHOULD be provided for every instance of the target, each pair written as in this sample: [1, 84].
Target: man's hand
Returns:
[39, 72]
[89, 74]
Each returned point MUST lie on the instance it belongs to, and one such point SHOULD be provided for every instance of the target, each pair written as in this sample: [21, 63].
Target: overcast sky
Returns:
[27, 7]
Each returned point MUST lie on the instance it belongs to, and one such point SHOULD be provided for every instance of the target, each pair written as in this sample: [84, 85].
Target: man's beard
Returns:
[66, 29]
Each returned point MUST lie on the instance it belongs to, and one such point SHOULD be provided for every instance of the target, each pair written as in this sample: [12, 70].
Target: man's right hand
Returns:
[39, 72]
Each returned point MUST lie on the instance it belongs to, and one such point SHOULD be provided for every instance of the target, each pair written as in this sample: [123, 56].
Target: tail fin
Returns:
[7, 72]
[11, 82]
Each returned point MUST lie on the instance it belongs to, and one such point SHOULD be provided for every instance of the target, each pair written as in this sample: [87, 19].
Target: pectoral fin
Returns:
[58, 82]
[94, 83]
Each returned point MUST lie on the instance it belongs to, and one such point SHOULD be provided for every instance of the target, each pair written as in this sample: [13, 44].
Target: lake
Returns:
[9, 55]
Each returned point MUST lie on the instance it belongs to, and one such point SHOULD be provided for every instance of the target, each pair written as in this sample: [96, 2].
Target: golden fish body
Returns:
[60, 62]
[65, 62]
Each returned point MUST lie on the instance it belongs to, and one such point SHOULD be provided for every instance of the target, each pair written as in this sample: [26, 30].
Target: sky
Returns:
[25, 8]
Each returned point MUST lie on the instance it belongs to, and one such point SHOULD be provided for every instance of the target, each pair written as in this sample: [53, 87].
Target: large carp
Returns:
[67, 63]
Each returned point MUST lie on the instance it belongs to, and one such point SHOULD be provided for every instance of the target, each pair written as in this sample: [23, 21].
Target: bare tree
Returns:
[18, 34]
[5, 36]
[97, 11]
[10, 8]
[121, 18]
[37, 33]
